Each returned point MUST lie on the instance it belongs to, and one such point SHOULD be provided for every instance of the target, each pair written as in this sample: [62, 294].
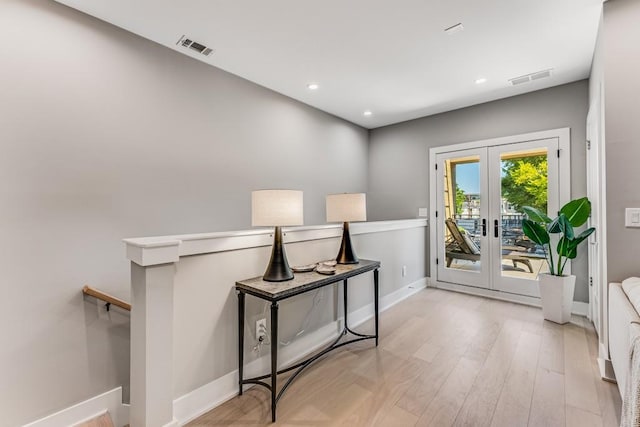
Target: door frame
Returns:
[564, 166]
[596, 169]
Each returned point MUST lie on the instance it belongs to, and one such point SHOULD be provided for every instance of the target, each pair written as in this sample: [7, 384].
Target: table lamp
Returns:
[276, 208]
[345, 208]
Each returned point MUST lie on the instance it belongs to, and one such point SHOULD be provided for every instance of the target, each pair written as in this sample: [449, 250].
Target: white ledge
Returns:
[147, 251]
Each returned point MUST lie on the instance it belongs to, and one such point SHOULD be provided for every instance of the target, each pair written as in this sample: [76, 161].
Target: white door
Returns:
[462, 229]
[534, 165]
[479, 221]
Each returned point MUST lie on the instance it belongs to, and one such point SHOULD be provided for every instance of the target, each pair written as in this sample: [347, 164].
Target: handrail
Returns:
[88, 290]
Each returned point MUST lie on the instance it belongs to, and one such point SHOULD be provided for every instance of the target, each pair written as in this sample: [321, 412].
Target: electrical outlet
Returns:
[404, 270]
[261, 328]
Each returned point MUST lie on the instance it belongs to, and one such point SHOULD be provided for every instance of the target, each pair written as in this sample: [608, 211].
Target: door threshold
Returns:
[489, 293]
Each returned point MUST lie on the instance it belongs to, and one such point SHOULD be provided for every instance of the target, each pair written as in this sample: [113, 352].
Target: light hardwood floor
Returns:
[446, 359]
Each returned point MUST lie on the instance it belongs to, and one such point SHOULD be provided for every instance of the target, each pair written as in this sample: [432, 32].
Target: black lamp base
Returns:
[278, 269]
[346, 255]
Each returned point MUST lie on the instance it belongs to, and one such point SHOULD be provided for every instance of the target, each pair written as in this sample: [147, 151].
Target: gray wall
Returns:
[399, 154]
[106, 135]
[622, 132]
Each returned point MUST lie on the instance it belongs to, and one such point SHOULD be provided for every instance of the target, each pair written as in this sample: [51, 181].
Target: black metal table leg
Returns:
[376, 292]
[240, 339]
[344, 297]
[274, 357]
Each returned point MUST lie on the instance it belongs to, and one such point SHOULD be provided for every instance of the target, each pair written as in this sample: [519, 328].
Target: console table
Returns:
[277, 291]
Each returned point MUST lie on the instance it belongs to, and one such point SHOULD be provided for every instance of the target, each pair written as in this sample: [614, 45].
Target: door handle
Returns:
[495, 228]
[484, 227]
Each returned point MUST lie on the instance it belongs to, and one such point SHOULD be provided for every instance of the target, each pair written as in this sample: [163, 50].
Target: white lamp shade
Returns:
[276, 208]
[346, 207]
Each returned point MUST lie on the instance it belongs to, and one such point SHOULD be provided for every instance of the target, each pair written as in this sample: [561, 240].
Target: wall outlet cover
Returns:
[632, 217]
[261, 328]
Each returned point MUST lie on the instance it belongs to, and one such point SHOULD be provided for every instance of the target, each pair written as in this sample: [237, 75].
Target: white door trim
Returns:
[595, 118]
[564, 143]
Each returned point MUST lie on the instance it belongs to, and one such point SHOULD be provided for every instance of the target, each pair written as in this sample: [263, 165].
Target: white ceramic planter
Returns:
[556, 293]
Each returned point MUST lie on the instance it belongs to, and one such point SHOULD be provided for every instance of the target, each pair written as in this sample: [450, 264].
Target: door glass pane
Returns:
[462, 213]
[523, 183]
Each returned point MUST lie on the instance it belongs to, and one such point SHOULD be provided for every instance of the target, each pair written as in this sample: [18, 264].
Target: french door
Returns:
[479, 197]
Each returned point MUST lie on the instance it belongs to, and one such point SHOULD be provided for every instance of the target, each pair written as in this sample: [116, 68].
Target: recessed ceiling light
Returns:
[481, 80]
[367, 113]
[454, 28]
[313, 86]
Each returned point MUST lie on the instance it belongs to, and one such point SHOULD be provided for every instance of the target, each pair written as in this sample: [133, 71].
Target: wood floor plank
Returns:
[580, 388]
[481, 343]
[580, 418]
[514, 404]
[552, 347]
[481, 401]
[454, 339]
[397, 417]
[340, 403]
[384, 395]
[419, 395]
[547, 405]
[444, 407]
[408, 339]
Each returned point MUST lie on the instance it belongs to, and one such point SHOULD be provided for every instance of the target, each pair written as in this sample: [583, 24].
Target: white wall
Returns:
[399, 154]
[105, 135]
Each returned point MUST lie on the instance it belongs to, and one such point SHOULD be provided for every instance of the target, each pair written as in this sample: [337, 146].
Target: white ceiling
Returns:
[390, 57]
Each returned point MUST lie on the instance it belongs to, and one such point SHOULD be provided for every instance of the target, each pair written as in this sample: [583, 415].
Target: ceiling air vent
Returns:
[200, 48]
[541, 75]
[531, 77]
[454, 28]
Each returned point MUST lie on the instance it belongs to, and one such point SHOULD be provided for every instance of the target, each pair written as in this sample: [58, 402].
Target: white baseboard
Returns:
[197, 402]
[580, 308]
[110, 401]
[606, 370]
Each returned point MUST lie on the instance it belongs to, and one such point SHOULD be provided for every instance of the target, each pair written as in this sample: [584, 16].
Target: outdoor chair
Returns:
[461, 246]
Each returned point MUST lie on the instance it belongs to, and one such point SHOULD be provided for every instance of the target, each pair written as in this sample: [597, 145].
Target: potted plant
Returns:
[560, 244]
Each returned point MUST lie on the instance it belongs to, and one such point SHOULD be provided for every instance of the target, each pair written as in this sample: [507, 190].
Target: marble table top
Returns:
[303, 282]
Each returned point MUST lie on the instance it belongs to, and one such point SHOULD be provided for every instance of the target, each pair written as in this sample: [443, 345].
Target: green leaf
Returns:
[535, 232]
[580, 237]
[561, 225]
[536, 215]
[554, 227]
[565, 246]
[577, 211]
[565, 225]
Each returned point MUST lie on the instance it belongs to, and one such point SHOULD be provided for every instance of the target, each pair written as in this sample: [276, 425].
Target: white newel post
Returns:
[152, 274]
